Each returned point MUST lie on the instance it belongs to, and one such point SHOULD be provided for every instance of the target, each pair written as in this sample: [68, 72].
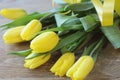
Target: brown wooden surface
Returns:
[11, 67]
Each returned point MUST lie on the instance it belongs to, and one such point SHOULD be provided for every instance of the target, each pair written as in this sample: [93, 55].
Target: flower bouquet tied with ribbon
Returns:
[78, 30]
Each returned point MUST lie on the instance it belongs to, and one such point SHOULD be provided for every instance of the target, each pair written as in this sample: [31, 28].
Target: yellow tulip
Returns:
[13, 13]
[37, 61]
[73, 1]
[31, 29]
[13, 35]
[63, 64]
[44, 42]
[81, 68]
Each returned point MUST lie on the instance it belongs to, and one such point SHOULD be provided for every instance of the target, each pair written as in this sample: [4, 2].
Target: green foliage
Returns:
[23, 53]
[89, 22]
[84, 6]
[23, 20]
[113, 34]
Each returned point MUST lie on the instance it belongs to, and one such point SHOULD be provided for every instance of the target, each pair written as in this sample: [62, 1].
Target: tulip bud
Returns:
[44, 42]
[37, 61]
[63, 64]
[13, 13]
[31, 29]
[13, 35]
[81, 68]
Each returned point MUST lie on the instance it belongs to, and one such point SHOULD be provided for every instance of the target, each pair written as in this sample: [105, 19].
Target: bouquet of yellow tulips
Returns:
[77, 25]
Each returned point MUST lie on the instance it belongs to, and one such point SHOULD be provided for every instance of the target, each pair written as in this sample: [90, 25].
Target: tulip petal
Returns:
[81, 68]
[42, 59]
[63, 64]
[31, 29]
[44, 42]
[13, 13]
[13, 35]
[73, 69]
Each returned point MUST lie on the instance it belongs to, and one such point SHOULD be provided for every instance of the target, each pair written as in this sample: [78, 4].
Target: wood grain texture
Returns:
[11, 67]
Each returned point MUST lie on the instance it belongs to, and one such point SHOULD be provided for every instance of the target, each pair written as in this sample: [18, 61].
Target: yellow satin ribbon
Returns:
[105, 11]
[117, 6]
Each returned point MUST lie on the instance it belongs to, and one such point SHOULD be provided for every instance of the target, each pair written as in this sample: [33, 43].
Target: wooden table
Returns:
[11, 67]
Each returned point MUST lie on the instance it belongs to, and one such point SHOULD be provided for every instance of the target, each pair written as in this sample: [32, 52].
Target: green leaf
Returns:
[89, 22]
[23, 53]
[24, 20]
[51, 14]
[113, 34]
[69, 39]
[63, 21]
[84, 6]
[71, 47]
[72, 24]
[61, 18]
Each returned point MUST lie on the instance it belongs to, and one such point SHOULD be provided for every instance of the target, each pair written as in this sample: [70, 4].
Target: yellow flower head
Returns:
[31, 29]
[44, 42]
[37, 61]
[81, 68]
[13, 13]
[73, 1]
[13, 35]
[63, 64]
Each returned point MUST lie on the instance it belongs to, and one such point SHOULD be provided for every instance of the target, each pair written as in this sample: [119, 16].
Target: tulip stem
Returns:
[34, 55]
[88, 49]
[83, 40]
[53, 29]
[72, 46]
[96, 54]
[98, 46]
[94, 48]
[87, 38]
[78, 43]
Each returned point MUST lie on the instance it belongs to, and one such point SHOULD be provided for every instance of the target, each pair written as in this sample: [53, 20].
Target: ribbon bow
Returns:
[105, 11]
